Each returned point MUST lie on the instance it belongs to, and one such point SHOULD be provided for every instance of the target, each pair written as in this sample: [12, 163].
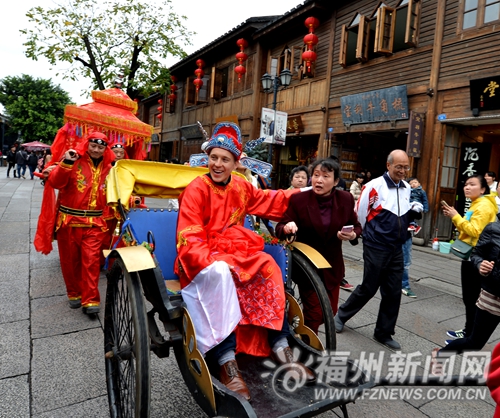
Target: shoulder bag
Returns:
[461, 249]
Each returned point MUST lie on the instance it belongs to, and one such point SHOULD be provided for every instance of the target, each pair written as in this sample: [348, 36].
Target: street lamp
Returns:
[274, 83]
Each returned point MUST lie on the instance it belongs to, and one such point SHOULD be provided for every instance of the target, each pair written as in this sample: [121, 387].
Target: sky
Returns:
[209, 19]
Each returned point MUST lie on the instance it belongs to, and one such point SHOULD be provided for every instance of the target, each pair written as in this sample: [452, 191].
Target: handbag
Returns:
[461, 249]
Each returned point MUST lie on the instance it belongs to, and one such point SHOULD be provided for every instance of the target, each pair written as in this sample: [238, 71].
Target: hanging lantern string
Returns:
[310, 40]
[198, 82]
[241, 57]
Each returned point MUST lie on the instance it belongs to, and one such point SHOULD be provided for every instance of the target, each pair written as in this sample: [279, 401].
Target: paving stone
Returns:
[15, 397]
[67, 369]
[14, 282]
[15, 347]
[46, 282]
[95, 408]
[51, 316]
[15, 244]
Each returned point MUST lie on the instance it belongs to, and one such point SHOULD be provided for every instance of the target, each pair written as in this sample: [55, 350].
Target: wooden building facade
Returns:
[409, 74]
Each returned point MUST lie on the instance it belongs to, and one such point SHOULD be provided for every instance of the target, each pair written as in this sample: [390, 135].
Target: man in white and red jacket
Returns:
[384, 211]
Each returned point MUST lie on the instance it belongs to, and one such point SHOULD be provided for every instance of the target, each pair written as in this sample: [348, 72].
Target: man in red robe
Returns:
[233, 290]
[80, 223]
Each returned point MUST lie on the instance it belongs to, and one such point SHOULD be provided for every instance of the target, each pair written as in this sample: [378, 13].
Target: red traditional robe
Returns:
[81, 187]
[210, 228]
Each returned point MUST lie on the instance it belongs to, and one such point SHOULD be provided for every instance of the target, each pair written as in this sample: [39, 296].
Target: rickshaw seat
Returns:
[163, 224]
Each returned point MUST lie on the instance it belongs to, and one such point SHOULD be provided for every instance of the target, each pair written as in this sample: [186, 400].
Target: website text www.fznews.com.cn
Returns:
[404, 393]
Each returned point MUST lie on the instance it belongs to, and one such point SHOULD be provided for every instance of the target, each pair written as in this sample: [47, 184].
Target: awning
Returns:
[473, 120]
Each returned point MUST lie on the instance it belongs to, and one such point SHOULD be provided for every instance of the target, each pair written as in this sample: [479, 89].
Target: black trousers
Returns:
[273, 336]
[477, 336]
[384, 270]
[11, 167]
[471, 288]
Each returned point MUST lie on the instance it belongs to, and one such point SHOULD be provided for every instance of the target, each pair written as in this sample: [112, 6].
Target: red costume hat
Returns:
[227, 136]
[97, 138]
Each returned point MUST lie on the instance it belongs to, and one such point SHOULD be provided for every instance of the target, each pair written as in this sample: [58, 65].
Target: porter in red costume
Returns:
[234, 292]
[80, 224]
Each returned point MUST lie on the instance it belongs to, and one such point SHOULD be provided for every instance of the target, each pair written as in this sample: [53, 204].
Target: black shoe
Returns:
[388, 342]
[91, 310]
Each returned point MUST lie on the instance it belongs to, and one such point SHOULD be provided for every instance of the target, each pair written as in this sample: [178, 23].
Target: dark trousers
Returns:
[477, 336]
[471, 288]
[11, 167]
[19, 168]
[384, 270]
[229, 343]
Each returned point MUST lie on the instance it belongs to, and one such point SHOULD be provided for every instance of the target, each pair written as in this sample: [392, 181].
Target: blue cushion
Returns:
[163, 224]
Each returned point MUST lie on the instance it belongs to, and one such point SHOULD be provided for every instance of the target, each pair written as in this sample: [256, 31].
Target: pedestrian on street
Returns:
[482, 211]
[384, 211]
[81, 225]
[32, 163]
[11, 160]
[21, 161]
[484, 259]
[318, 217]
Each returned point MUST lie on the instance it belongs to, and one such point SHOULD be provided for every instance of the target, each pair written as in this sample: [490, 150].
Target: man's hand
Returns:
[47, 171]
[71, 155]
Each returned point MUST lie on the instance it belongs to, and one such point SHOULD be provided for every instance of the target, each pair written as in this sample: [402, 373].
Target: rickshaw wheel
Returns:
[304, 275]
[126, 345]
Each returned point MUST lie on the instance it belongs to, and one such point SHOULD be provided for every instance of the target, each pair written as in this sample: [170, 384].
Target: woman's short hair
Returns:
[491, 174]
[328, 165]
[482, 182]
[297, 169]
[360, 176]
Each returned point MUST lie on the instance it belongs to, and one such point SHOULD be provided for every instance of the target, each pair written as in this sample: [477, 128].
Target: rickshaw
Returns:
[144, 312]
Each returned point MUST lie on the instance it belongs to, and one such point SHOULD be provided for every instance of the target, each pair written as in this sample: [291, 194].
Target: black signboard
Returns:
[415, 134]
[474, 159]
[191, 132]
[485, 93]
[375, 106]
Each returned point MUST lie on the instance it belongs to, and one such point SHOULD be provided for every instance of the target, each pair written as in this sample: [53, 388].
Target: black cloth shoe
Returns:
[388, 342]
[91, 310]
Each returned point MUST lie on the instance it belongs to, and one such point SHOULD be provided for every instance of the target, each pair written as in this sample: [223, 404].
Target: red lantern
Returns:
[240, 70]
[173, 78]
[172, 97]
[311, 23]
[198, 82]
[310, 40]
[173, 88]
[242, 44]
[241, 57]
[309, 57]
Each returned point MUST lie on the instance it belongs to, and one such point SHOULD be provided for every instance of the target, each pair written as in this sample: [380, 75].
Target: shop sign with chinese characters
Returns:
[485, 93]
[474, 159]
[294, 125]
[375, 106]
[415, 133]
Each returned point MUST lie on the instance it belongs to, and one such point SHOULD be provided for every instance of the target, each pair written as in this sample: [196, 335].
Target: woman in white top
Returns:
[356, 186]
[490, 178]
